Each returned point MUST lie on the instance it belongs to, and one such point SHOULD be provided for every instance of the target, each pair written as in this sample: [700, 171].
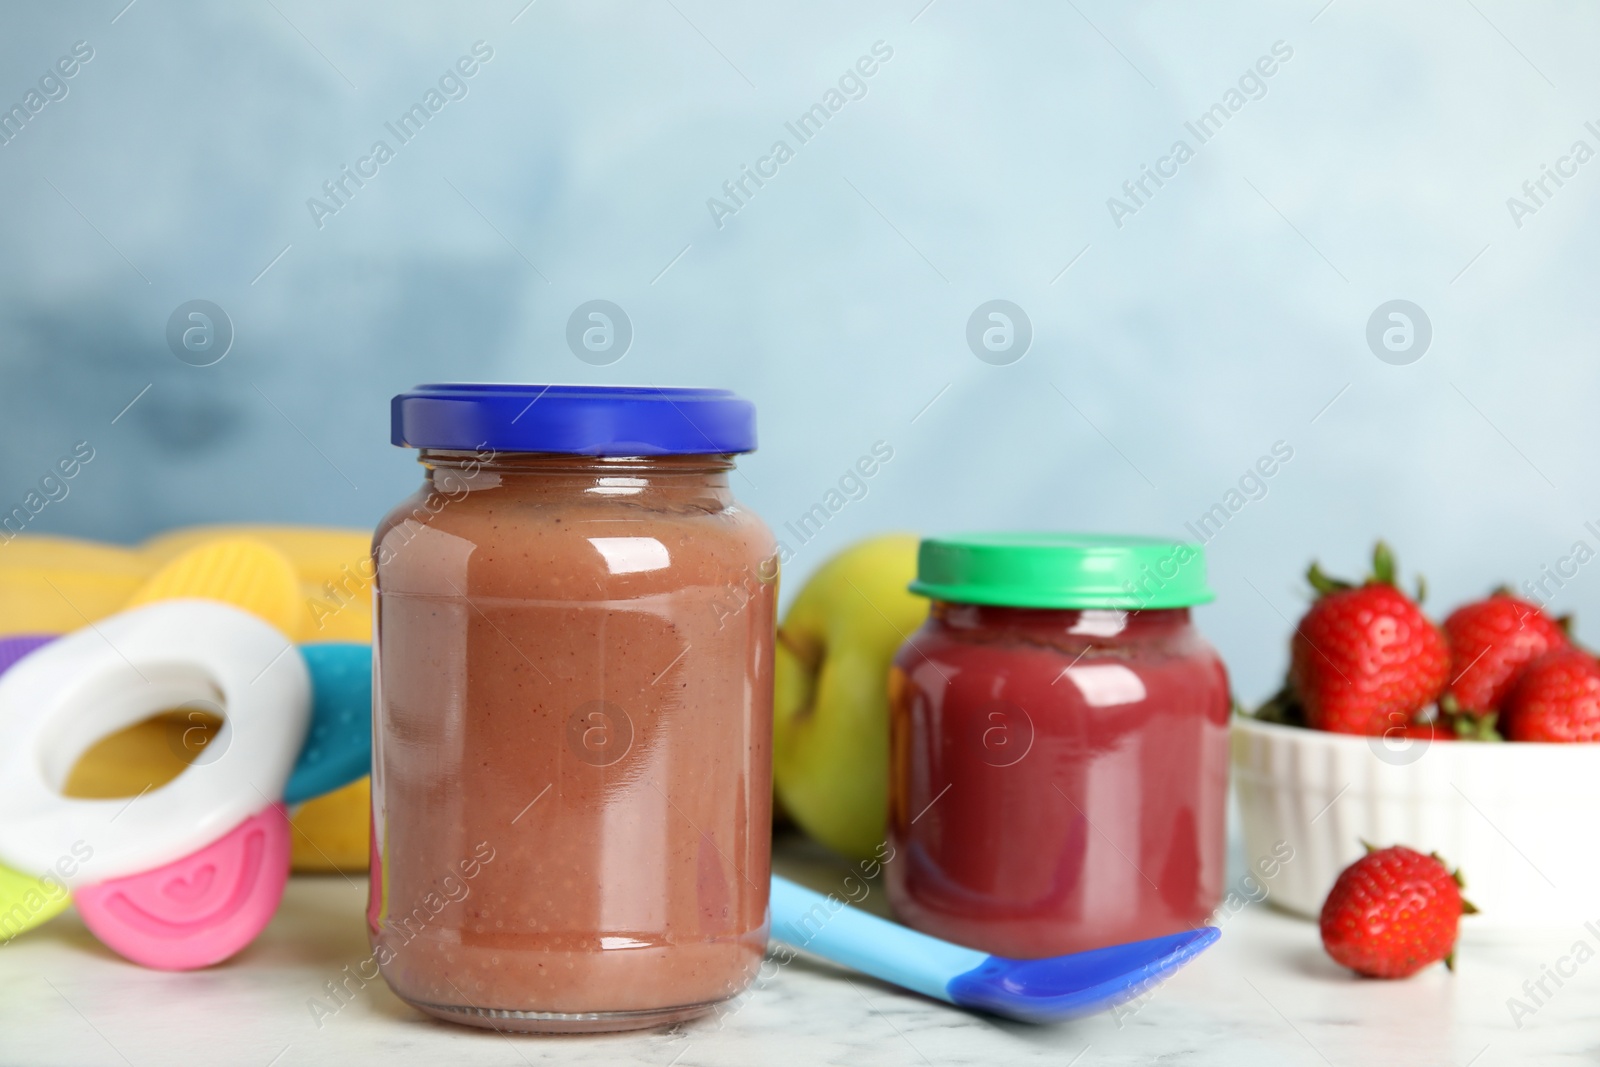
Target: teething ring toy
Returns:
[200, 909]
[209, 902]
[57, 701]
[190, 872]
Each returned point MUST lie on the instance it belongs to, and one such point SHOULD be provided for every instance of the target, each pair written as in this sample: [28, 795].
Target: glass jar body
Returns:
[1058, 778]
[572, 736]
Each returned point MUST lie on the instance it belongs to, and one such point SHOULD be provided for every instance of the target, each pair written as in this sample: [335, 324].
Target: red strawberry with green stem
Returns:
[1491, 641]
[1557, 698]
[1393, 912]
[1365, 659]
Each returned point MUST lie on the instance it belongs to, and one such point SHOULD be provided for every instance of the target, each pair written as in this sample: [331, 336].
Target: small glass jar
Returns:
[1059, 745]
[572, 718]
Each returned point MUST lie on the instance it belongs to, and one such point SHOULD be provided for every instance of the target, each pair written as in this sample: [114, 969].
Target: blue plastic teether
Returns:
[338, 748]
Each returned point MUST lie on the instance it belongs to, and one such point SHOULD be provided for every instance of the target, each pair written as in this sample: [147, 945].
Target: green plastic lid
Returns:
[1062, 570]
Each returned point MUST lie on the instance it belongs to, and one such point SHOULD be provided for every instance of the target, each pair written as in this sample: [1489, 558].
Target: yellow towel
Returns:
[330, 832]
[54, 585]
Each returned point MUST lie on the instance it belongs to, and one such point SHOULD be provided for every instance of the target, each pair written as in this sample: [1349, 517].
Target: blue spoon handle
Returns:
[1034, 990]
[828, 927]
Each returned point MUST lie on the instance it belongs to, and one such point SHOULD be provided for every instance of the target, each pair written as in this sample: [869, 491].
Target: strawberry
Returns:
[1491, 641]
[1556, 699]
[1365, 659]
[1393, 912]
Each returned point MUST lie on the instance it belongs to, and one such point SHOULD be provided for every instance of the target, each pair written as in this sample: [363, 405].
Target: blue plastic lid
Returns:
[587, 420]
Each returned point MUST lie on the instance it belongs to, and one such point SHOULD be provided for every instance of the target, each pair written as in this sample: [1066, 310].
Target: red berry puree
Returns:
[1058, 777]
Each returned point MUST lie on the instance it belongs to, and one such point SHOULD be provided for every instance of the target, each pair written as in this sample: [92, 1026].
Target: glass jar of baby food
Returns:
[571, 784]
[1059, 745]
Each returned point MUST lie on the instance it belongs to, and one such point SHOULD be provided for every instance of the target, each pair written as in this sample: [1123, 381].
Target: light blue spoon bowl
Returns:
[1036, 991]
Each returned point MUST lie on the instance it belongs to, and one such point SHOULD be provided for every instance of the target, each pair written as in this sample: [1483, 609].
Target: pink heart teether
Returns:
[198, 910]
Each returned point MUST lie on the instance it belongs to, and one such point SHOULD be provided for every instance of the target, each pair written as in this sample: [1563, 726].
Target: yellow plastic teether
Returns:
[241, 571]
[335, 568]
[330, 832]
[26, 902]
[319, 554]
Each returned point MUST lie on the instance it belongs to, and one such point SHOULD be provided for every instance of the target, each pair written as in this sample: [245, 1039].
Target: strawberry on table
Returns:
[1365, 659]
[1557, 698]
[1491, 641]
[1393, 912]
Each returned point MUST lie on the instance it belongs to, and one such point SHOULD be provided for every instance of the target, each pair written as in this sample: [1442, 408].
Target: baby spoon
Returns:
[1036, 991]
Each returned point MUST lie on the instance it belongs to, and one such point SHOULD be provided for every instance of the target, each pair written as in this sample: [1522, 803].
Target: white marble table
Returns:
[1264, 995]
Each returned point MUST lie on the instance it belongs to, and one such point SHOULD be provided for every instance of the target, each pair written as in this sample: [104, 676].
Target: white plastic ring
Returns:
[60, 700]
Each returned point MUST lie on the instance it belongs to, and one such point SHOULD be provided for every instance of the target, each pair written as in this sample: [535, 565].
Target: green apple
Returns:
[830, 743]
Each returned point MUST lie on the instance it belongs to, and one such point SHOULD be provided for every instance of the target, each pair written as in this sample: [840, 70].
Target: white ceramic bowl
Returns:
[1517, 819]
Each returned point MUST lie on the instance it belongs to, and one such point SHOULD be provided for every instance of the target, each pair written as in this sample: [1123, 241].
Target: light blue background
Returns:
[1223, 317]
